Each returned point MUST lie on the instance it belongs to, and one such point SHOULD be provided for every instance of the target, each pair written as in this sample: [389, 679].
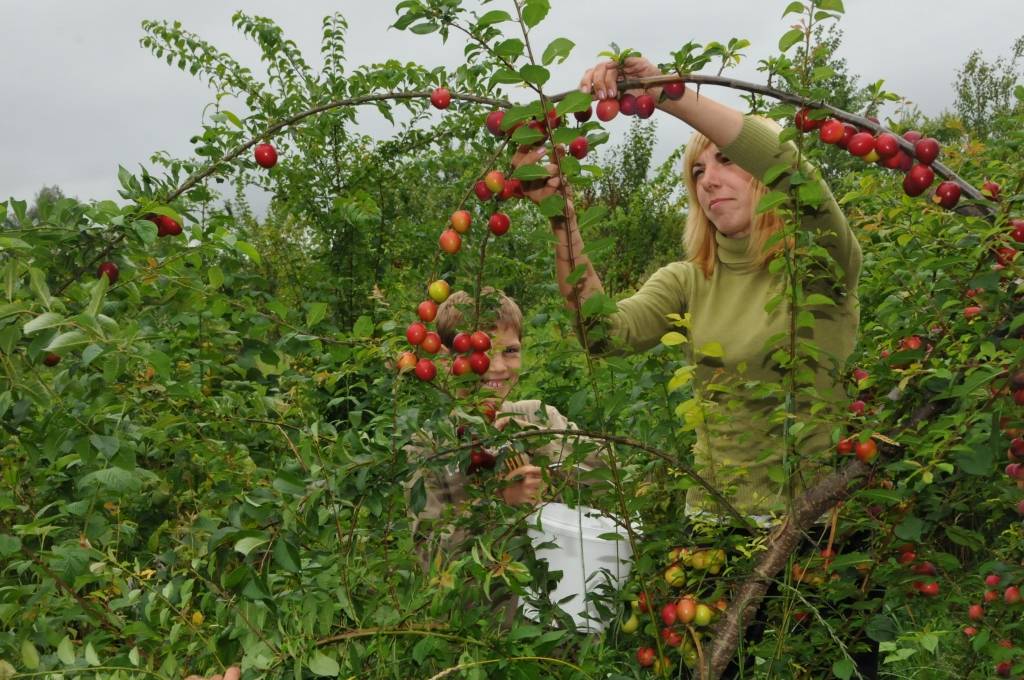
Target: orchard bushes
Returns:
[204, 457]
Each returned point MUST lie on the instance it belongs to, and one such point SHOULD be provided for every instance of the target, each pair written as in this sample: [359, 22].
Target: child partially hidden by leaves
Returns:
[492, 485]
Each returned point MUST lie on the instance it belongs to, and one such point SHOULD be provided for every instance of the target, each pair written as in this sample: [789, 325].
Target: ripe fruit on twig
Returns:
[166, 226]
[918, 179]
[583, 116]
[480, 341]
[645, 106]
[579, 147]
[1011, 595]
[848, 132]
[607, 109]
[686, 610]
[265, 155]
[110, 269]
[51, 359]
[427, 311]
[441, 98]
[668, 614]
[866, 450]
[480, 460]
[990, 190]
[645, 656]
[857, 407]
[627, 104]
[926, 150]
[947, 194]
[513, 189]
[972, 311]
[406, 362]
[674, 90]
[479, 362]
[425, 370]
[845, 446]
[450, 241]
[461, 220]
[461, 366]
[431, 343]
[415, 333]
[462, 343]
[975, 612]
[495, 181]
[493, 122]
[886, 145]
[499, 223]
[804, 123]
[482, 192]
[438, 291]
[831, 131]
[861, 144]
[929, 589]
[1018, 230]
[1005, 255]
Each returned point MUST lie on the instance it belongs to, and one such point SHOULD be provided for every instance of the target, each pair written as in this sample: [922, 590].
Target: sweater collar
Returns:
[733, 252]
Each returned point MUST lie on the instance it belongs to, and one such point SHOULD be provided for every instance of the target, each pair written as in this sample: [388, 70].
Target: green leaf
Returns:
[881, 628]
[287, 557]
[909, 529]
[66, 651]
[592, 215]
[843, 669]
[819, 299]
[822, 73]
[510, 49]
[811, 193]
[538, 75]
[791, 38]
[531, 172]
[713, 349]
[11, 243]
[552, 206]
[69, 339]
[9, 545]
[99, 289]
[1018, 92]
[794, 7]
[965, 537]
[495, 16]
[559, 48]
[215, 275]
[247, 544]
[316, 313]
[115, 479]
[161, 362]
[526, 136]
[535, 11]
[506, 77]
[247, 249]
[323, 665]
[363, 327]
[573, 102]
[106, 445]
[91, 657]
[774, 172]
[832, 5]
[424, 28]
[44, 320]
[770, 201]
[930, 641]
[673, 338]
[598, 304]
[29, 655]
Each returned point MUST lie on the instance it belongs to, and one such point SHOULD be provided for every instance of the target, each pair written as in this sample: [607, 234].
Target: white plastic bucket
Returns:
[586, 561]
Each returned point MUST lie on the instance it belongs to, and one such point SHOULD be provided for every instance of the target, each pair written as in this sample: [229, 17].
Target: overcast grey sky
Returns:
[81, 96]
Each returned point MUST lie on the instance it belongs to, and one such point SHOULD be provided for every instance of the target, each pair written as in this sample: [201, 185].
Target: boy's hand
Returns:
[539, 189]
[527, 485]
[233, 673]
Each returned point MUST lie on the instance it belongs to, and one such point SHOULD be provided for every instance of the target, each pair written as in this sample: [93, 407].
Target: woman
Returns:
[729, 289]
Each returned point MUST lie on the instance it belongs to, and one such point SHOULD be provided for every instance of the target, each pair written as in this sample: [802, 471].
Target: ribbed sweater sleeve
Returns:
[640, 320]
[756, 150]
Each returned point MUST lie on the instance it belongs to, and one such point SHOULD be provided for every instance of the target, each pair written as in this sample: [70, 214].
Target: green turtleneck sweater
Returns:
[740, 445]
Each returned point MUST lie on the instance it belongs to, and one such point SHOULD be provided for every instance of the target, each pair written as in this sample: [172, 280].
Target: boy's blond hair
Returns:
[497, 309]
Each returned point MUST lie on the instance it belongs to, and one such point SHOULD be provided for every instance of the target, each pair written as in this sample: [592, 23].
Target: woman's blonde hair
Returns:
[699, 235]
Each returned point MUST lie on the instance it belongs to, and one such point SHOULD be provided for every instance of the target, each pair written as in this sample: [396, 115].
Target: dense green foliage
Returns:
[216, 471]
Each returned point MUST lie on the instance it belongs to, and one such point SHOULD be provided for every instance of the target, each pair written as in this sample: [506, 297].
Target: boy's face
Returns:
[506, 362]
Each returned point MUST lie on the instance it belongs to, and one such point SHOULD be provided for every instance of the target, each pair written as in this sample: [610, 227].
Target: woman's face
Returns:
[724, 192]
